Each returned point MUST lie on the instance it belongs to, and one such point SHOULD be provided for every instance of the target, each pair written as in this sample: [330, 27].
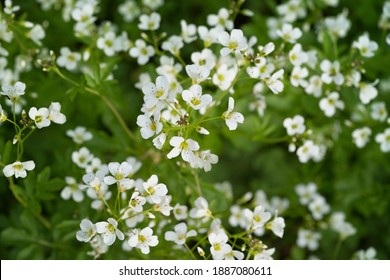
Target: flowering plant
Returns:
[256, 130]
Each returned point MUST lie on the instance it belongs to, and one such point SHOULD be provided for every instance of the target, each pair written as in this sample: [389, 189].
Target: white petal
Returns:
[101, 227]
[29, 165]
[8, 170]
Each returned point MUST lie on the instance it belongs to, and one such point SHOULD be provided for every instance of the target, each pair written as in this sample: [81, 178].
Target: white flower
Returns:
[234, 254]
[68, 59]
[107, 43]
[232, 118]
[88, 230]
[330, 103]
[201, 209]
[258, 217]
[368, 254]
[338, 26]
[195, 98]
[209, 37]
[136, 202]
[184, 147]
[36, 34]
[308, 151]
[338, 224]
[298, 76]
[384, 140]
[314, 86]
[149, 125]
[79, 135]
[224, 77]
[13, 92]
[288, 33]
[265, 254]
[188, 31]
[277, 226]
[205, 58]
[173, 45]
[197, 73]
[155, 92]
[180, 234]
[180, 212]
[207, 159]
[72, 189]
[142, 52]
[221, 20]
[273, 82]
[295, 125]
[308, 239]
[306, 193]
[39, 116]
[155, 191]
[18, 169]
[129, 10]
[164, 206]
[366, 47]
[110, 231]
[153, 4]
[143, 240]
[159, 141]
[291, 10]
[82, 157]
[361, 136]
[119, 172]
[219, 246]
[331, 72]
[237, 217]
[297, 56]
[367, 92]
[149, 22]
[318, 207]
[55, 115]
[236, 41]
[379, 111]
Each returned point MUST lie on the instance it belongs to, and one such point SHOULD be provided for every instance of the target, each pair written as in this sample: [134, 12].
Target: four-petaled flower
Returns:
[180, 234]
[110, 231]
[143, 240]
[232, 118]
[18, 169]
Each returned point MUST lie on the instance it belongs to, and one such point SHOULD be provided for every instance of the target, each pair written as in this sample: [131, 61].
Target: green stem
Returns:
[189, 250]
[337, 249]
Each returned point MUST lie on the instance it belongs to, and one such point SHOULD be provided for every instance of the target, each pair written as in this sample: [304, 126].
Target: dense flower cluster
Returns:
[198, 87]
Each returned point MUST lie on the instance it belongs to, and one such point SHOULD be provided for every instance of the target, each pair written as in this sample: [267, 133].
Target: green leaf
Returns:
[329, 46]
[16, 236]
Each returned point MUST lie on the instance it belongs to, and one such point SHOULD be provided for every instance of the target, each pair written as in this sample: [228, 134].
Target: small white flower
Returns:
[79, 135]
[188, 31]
[237, 217]
[39, 116]
[18, 169]
[277, 226]
[201, 209]
[184, 147]
[221, 20]
[265, 254]
[273, 82]
[308, 239]
[236, 41]
[149, 125]
[361, 136]
[224, 77]
[384, 140]
[258, 218]
[318, 207]
[149, 22]
[180, 212]
[379, 111]
[314, 86]
[297, 56]
[330, 103]
[82, 157]
[234, 254]
[306, 193]
[195, 99]
[295, 125]
[119, 172]
[331, 72]
[288, 33]
[107, 43]
[129, 10]
[232, 118]
[197, 73]
[219, 246]
[154, 191]
[159, 141]
[68, 59]
[36, 34]
[14, 92]
[308, 151]
[180, 234]
[143, 240]
[367, 92]
[173, 45]
[110, 231]
[205, 58]
[72, 189]
[207, 159]
[368, 254]
[155, 92]
[88, 230]
[55, 115]
[136, 202]
[366, 47]
[142, 52]
[298, 76]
